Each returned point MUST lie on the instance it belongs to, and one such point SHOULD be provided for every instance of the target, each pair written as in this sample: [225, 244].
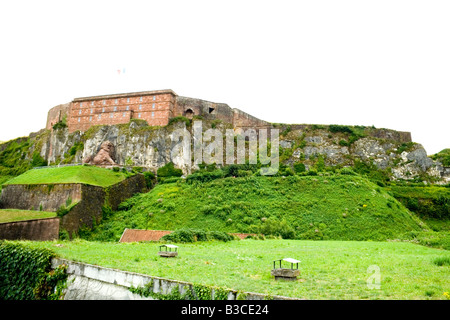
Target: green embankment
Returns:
[75, 174]
[430, 203]
[12, 215]
[338, 207]
[443, 156]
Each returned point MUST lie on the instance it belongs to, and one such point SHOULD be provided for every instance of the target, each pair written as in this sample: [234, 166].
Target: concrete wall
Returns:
[32, 197]
[35, 230]
[91, 282]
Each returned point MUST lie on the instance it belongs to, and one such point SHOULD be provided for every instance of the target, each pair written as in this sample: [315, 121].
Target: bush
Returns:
[194, 235]
[338, 128]
[77, 146]
[60, 125]
[150, 179]
[347, 171]
[169, 171]
[137, 169]
[62, 211]
[234, 170]
[299, 167]
[205, 176]
[277, 228]
[38, 161]
[25, 273]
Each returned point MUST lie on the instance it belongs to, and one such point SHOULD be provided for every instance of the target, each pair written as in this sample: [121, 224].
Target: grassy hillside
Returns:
[77, 174]
[340, 207]
[443, 156]
[430, 203]
[11, 215]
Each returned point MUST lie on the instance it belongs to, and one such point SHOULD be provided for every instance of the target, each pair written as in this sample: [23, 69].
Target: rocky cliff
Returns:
[388, 152]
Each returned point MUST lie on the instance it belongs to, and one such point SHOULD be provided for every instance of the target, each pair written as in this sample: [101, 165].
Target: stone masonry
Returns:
[155, 107]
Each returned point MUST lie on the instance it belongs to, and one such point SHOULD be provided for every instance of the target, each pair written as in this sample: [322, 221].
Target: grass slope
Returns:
[329, 269]
[76, 174]
[339, 207]
[11, 215]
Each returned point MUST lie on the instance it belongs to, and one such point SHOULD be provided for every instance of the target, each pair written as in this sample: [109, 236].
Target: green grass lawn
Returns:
[11, 215]
[329, 269]
[76, 174]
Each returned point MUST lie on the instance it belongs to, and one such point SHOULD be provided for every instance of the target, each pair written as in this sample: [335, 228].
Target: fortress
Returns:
[156, 107]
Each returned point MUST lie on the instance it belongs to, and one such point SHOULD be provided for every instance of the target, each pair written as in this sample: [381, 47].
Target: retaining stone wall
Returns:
[91, 282]
[35, 230]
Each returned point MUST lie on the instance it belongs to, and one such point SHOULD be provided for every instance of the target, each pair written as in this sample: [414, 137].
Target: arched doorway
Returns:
[189, 113]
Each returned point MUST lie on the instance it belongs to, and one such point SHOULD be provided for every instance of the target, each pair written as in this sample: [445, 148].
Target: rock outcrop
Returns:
[138, 144]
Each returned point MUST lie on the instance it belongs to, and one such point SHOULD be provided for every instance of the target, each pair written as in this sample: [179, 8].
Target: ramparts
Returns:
[85, 201]
[35, 230]
[44, 197]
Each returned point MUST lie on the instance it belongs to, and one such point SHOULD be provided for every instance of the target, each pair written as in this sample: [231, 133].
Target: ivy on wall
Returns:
[26, 274]
[194, 292]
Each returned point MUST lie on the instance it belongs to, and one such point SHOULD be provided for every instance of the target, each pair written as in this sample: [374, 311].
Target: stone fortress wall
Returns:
[155, 107]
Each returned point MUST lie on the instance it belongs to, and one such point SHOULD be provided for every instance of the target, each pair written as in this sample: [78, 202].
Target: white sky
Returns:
[381, 63]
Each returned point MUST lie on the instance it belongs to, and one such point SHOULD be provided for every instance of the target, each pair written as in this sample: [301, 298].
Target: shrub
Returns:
[169, 171]
[38, 161]
[150, 179]
[137, 169]
[339, 128]
[347, 171]
[25, 273]
[244, 173]
[62, 211]
[194, 235]
[408, 146]
[60, 125]
[77, 146]
[277, 228]
[205, 176]
[320, 165]
[234, 170]
[299, 167]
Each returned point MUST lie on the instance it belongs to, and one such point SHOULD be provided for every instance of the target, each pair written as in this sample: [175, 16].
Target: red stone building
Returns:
[155, 107]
